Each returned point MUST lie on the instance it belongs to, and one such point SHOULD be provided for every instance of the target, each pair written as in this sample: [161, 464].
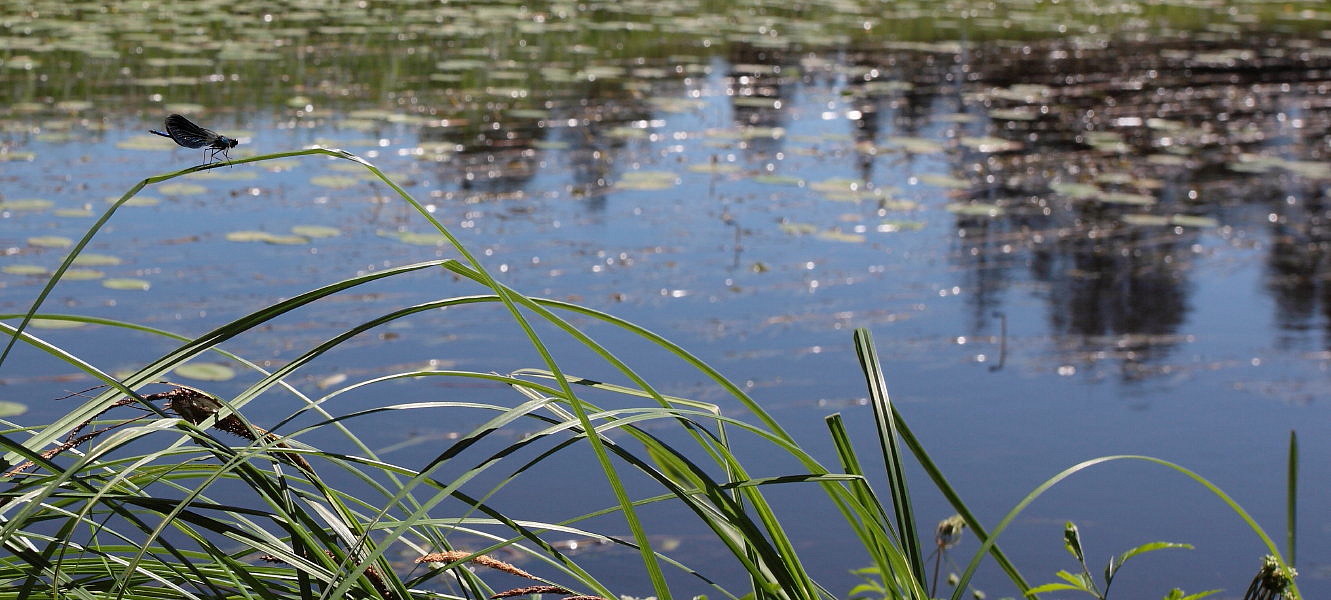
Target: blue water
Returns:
[1169, 341]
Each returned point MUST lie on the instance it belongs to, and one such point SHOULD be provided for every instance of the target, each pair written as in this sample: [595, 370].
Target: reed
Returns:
[151, 489]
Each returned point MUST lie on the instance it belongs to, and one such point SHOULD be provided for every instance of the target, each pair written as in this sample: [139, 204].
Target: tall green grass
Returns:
[190, 499]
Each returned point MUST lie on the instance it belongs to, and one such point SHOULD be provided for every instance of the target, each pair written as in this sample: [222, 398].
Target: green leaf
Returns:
[1052, 587]
[1177, 594]
[671, 467]
[1151, 547]
[1079, 580]
[1072, 541]
[866, 588]
[1291, 496]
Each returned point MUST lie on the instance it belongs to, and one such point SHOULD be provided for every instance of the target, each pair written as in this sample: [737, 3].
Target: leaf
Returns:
[10, 409]
[1177, 594]
[674, 469]
[866, 589]
[1072, 541]
[1151, 547]
[1079, 580]
[55, 324]
[1052, 587]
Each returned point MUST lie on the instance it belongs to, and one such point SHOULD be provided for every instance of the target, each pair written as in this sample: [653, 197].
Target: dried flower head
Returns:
[1271, 582]
[949, 532]
[480, 559]
[534, 589]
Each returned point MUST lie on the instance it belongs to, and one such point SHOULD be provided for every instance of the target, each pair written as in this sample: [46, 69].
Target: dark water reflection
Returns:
[1130, 219]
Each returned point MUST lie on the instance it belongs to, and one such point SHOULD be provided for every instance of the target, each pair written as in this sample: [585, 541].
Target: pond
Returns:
[1073, 232]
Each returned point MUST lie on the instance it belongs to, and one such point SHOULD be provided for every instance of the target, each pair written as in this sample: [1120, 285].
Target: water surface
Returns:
[1072, 233]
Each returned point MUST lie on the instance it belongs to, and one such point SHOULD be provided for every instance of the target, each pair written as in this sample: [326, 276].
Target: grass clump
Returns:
[162, 504]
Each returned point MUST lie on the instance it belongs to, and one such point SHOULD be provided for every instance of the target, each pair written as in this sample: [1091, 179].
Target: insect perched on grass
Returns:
[184, 132]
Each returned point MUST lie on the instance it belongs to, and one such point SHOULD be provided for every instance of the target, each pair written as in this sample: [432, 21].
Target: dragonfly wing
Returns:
[187, 134]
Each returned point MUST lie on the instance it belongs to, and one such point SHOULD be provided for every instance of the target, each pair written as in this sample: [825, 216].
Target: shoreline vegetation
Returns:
[190, 499]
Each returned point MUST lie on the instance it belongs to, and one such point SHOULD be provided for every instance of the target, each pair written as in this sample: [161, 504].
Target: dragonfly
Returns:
[186, 133]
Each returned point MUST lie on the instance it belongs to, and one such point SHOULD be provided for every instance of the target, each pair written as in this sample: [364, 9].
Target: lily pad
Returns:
[135, 201]
[946, 181]
[205, 371]
[753, 133]
[1308, 169]
[799, 228]
[316, 231]
[778, 180]
[1076, 191]
[833, 235]
[1167, 160]
[11, 409]
[716, 168]
[224, 175]
[26, 204]
[92, 259]
[1013, 114]
[24, 270]
[182, 189]
[647, 180]
[976, 209]
[126, 283]
[1126, 198]
[416, 238]
[82, 274]
[266, 237]
[893, 226]
[757, 102]
[50, 241]
[627, 133]
[838, 184]
[279, 164]
[1140, 219]
[1116, 178]
[989, 144]
[338, 182]
[145, 142]
[915, 145]
[1194, 221]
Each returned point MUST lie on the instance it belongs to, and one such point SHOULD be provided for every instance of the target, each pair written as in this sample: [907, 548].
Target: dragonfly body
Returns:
[184, 132]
